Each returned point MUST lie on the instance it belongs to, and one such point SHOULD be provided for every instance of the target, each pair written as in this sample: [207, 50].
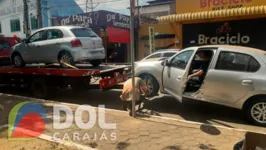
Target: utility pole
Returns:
[132, 25]
[39, 13]
[91, 7]
[26, 19]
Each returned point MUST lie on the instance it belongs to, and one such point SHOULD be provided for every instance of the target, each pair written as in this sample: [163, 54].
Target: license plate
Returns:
[119, 79]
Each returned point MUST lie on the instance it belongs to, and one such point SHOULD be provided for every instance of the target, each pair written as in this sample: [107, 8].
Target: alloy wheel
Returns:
[258, 112]
[149, 83]
[17, 60]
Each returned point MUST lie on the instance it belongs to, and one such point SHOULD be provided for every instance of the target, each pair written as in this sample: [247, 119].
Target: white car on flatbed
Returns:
[68, 44]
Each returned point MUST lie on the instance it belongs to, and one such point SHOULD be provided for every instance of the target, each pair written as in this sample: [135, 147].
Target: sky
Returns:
[119, 6]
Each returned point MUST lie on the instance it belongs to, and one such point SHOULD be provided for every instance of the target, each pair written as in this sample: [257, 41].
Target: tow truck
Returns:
[44, 80]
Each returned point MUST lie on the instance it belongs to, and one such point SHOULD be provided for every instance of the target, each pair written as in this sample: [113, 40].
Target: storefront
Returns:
[112, 27]
[234, 22]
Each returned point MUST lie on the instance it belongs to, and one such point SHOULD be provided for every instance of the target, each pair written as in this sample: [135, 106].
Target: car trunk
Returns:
[91, 42]
[88, 38]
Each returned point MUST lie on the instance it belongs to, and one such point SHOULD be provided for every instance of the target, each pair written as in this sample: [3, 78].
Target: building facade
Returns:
[113, 28]
[164, 34]
[12, 17]
[232, 22]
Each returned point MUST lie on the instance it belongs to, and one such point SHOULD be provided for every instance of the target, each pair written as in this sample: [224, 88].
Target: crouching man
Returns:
[127, 93]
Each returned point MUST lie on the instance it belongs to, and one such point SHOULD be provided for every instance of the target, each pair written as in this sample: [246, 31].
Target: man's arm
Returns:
[197, 74]
[144, 87]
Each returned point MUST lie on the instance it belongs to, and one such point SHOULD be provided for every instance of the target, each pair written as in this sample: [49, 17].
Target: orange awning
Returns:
[244, 11]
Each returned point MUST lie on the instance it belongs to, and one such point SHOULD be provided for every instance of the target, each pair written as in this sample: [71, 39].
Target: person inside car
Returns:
[198, 75]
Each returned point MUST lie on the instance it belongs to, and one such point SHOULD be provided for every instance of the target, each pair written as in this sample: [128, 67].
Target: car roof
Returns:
[167, 50]
[237, 48]
[60, 27]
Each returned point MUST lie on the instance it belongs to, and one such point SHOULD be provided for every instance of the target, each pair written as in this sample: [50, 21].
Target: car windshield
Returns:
[83, 32]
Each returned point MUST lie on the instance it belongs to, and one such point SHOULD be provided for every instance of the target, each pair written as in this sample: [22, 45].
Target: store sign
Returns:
[187, 6]
[151, 39]
[243, 32]
[97, 19]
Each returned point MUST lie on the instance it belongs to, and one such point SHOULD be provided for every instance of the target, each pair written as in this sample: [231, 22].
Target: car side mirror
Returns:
[165, 63]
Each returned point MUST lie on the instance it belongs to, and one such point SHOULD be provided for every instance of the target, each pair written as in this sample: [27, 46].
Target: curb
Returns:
[51, 139]
[151, 116]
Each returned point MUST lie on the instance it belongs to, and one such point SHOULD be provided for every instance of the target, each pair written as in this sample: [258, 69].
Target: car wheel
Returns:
[256, 112]
[17, 60]
[95, 63]
[153, 86]
[67, 59]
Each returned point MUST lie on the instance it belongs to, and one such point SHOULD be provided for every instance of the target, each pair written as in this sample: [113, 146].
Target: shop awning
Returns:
[244, 11]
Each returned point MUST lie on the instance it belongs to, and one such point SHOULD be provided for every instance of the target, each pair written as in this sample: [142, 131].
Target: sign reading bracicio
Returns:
[242, 32]
[97, 19]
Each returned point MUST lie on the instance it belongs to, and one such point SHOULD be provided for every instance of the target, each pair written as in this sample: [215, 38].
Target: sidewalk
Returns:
[142, 133]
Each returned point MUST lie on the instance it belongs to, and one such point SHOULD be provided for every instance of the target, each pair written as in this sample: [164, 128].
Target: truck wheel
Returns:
[95, 63]
[66, 58]
[17, 60]
[256, 111]
[41, 90]
[153, 86]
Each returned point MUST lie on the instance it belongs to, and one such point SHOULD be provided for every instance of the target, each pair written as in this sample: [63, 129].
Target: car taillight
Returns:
[76, 43]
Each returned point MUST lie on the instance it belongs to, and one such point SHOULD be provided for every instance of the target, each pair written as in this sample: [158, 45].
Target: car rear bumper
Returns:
[83, 54]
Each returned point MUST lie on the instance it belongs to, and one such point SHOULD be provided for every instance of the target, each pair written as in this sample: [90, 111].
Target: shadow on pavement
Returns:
[122, 145]
[211, 130]
[171, 148]
[197, 111]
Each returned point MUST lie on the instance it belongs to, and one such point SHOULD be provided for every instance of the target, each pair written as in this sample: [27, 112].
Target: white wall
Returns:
[8, 12]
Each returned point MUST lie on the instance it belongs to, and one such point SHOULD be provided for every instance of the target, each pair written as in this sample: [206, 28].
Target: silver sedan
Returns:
[233, 76]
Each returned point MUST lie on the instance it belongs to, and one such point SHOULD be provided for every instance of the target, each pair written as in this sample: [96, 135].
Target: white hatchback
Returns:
[67, 44]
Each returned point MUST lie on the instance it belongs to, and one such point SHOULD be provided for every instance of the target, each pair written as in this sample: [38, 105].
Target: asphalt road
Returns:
[162, 106]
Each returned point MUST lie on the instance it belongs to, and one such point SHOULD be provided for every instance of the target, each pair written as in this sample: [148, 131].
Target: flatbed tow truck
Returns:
[44, 80]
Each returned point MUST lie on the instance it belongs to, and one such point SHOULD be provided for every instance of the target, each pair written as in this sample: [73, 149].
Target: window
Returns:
[157, 55]
[0, 28]
[181, 60]
[34, 23]
[168, 54]
[15, 25]
[4, 45]
[83, 32]
[39, 36]
[54, 34]
[237, 62]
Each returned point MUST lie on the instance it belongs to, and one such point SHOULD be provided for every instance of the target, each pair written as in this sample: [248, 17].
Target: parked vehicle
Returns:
[166, 53]
[150, 69]
[68, 44]
[6, 43]
[235, 78]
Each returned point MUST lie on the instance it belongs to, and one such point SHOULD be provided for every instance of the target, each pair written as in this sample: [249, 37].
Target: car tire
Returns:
[67, 58]
[17, 60]
[256, 105]
[95, 63]
[153, 85]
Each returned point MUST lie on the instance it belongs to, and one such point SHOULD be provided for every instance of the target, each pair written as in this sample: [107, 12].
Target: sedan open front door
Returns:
[175, 72]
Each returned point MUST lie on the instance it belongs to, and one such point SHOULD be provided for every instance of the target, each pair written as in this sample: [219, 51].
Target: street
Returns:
[163, 106]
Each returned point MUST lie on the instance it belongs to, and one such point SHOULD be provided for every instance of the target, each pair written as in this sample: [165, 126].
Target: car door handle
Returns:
[57, 44]
[38, 46]
[247, 82]
[178, 77]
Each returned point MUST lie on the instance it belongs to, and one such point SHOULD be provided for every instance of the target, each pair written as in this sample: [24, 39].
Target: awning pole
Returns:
[132, 14]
